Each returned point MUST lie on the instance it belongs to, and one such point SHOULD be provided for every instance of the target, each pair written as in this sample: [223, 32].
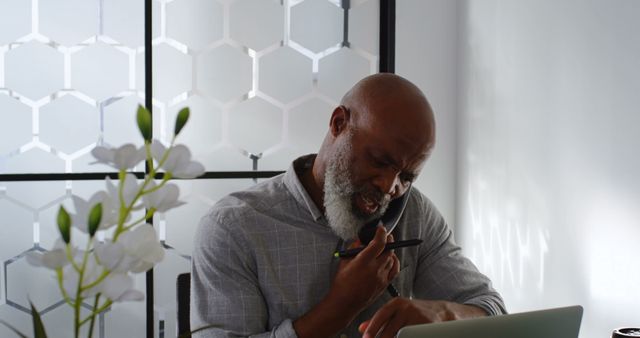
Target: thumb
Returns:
[363, 326]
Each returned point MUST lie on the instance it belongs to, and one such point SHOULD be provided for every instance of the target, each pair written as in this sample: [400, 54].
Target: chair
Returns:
[183, 294]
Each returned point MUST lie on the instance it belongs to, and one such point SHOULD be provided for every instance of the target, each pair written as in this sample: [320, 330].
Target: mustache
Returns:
[374, 195]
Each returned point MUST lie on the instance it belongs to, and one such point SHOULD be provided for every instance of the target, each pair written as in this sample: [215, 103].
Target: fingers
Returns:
[395, 269]
[392, 327]
[363, 326]
[376, 246]
[381, 319]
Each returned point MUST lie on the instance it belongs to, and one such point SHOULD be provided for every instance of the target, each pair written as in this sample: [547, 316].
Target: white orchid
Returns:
[119, 288]
[53, 259]
[163, 199]
[90, 274]
[83, 208]
[177, 161]
[103, 269]
[136, 251]
[130, 190]
[122, 158]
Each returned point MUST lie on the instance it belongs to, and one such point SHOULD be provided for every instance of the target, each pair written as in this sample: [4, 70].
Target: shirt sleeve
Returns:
[443, 273]
[225, 292]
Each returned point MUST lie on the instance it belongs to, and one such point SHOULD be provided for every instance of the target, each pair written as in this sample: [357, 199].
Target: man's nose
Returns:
[389, 183]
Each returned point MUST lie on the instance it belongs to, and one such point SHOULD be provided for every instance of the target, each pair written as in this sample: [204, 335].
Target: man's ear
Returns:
[339, 120]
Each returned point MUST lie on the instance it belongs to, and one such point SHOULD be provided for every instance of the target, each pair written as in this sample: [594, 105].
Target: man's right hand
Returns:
[361, 280]
[358, 282]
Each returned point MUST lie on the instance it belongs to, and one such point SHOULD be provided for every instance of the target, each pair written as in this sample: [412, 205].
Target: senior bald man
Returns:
[263, 262]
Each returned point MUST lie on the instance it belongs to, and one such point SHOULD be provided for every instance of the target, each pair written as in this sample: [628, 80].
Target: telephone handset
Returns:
[389, 219]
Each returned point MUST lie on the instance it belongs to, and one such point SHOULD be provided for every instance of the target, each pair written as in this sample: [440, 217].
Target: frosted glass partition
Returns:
[67, 81]
[261, 77]
[28, 224]
[549, 161]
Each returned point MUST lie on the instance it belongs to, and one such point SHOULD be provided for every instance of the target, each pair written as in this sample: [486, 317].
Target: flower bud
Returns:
[64, 224]
[95, 216]
[181, 120]
[144, 122]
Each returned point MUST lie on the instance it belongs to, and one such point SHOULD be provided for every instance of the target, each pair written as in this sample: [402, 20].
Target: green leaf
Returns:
[20, 334]
[95, 216]
[64, 224]
[144, 122]
[38, 327]
[181, 120]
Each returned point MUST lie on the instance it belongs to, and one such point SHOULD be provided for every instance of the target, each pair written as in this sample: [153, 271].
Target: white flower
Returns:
[83, 208]
[52, 259]
[136, 251]
[164, 198]
[129, 191]
[178, 162]
[92, 272]
[122, 158]
[119, 287]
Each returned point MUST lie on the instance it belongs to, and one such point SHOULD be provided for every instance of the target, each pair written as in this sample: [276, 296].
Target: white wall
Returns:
[426, 53]
[549, 186]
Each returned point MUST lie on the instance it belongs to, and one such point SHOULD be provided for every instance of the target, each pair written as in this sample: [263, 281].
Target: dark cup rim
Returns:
[622, 332]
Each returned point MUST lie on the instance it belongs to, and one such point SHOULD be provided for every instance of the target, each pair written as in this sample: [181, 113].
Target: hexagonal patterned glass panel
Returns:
[29, 224]
[195, 23]
[122, 18]
[34, 70]
[339, 71]
[203, 132]
[16, 20]
[16, 129]
[100, 71]
[261, 78]
[172, 72]
[55, 127]
[285, 74]
[224, 73]
[258, 115]
[364, 21]
[317, 24]
[257, 23]
[69, 22]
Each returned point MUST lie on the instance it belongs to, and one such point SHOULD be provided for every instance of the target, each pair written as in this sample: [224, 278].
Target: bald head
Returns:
[394, 102]
[378, 141]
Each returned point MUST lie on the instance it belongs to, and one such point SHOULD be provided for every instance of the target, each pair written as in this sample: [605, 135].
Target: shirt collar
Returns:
[293, 183]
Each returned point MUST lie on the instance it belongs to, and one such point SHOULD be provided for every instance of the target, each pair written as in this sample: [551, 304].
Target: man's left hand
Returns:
[400, 312]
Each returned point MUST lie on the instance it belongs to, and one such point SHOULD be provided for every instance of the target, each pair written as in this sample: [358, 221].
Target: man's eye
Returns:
[407, 178]
[380, 163]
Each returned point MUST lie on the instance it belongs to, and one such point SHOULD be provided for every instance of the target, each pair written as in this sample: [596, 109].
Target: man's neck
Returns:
[312, 180]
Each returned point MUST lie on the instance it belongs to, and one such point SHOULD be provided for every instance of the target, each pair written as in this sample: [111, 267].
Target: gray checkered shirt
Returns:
[263, 257]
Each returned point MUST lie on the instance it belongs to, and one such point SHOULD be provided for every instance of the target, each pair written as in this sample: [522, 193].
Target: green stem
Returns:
[140, 220]
[126, 210]
[65, 295]
[78, 301]
[100, 309]
[67, 250]
[93, 316]
[104, 275]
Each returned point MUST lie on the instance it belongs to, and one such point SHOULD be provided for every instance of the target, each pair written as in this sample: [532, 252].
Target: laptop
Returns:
[552, 323]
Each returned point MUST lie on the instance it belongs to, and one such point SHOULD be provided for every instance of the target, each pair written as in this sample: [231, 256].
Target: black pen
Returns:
[389, 246]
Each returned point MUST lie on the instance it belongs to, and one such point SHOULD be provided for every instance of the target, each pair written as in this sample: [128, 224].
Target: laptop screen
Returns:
[551, 323]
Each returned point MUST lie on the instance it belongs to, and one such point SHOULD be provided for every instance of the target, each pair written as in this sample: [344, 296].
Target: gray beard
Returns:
[344, 218]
